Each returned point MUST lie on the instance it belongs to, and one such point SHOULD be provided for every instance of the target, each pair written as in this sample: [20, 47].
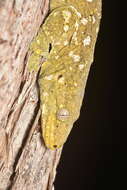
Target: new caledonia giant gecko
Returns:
[66, 41]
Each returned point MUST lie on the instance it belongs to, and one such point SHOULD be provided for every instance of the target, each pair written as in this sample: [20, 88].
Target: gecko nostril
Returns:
[55, 146]
[60, 76]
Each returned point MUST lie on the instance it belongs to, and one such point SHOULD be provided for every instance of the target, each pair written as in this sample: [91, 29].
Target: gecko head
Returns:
[57, 129]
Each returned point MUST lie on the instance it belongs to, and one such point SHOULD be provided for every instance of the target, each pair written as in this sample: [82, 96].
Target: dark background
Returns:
[91, 157]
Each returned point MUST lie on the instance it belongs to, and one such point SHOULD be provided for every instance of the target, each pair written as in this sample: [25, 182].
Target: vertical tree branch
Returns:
[25, 163]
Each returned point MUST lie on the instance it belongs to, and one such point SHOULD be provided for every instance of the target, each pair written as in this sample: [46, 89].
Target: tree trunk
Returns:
[25, 163]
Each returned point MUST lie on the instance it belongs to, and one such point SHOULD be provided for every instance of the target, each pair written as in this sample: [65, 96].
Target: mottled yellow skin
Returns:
[66, 41]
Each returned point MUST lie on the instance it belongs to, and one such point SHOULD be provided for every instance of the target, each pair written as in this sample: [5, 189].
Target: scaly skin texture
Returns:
[66, 40]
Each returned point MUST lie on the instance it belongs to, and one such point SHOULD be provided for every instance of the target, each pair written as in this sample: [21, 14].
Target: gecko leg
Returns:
[39, 48]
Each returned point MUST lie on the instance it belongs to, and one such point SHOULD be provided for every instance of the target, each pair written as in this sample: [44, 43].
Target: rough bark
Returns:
[25, 163]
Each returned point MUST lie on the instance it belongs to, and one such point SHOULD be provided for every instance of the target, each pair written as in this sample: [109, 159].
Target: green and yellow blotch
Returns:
[66, 41]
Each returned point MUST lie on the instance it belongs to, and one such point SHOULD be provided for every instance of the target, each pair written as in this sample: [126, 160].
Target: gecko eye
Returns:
[50, 47]
[63, 114]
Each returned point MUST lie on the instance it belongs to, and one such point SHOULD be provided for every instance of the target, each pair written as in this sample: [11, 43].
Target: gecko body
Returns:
[66, 40]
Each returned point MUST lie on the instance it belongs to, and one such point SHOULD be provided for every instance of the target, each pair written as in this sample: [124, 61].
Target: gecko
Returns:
[66, 41]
